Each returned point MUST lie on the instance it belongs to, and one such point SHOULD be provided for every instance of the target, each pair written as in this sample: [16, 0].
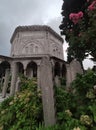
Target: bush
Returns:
[76, 110]
[24, 110]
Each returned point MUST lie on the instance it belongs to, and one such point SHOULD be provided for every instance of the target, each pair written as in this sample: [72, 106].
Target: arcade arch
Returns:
[3, 66]
[31, 70]
[57, 69]
[20, 68]
[5, 78]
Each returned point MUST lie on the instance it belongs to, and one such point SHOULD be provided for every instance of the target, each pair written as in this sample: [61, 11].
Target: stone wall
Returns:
[73, 69]
[55, 46]
[27, 43]
[39, 41]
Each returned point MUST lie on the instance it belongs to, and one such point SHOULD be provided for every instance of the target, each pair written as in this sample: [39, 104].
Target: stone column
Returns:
[75, 67]
[18, 85]
[38, 76]
[52, 62]
[57, 81]
[47, 91]
[14, 78]
[25, 74]
[31, 74]
[1, 83]
[25, 68]
[68, 76]
[7, 74]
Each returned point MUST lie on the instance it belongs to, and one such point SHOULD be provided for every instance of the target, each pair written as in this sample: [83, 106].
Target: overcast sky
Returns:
[27, 12]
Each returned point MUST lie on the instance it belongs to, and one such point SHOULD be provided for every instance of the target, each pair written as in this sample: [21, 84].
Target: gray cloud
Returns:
[24, 12]
[55, 23]
[4, 39]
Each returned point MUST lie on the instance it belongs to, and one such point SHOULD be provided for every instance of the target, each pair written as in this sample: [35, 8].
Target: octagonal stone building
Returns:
[29, 45]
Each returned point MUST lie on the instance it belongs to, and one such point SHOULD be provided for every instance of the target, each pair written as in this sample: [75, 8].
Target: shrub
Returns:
[24, 110]
[76, 110]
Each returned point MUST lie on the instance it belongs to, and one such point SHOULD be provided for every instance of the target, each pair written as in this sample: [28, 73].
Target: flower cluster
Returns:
[68, 112]
[90, 94]
[92, 6]
[85, 119]
[75, 17]
[76, 128]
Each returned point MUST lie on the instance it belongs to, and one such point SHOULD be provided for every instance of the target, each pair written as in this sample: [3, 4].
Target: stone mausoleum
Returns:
[29, 45]
[37, 51]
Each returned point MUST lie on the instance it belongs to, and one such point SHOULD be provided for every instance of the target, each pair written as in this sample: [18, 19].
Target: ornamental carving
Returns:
[32, 47]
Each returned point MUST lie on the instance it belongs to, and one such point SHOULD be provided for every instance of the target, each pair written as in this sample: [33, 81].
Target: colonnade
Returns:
[11, 72]
[29, 69]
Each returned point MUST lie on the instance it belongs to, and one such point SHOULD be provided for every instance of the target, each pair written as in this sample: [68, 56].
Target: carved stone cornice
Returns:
[36, 28]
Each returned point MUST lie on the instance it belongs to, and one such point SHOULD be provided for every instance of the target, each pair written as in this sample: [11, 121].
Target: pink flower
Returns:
[75, 17]
[71, 16]
[93, 3]
[90, 7]
[80, 14]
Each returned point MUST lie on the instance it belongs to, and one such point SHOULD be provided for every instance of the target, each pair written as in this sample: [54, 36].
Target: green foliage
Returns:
[24, 110]
[76, 109]
[93, 110]
[84, 83]
[63, 81]
[55, 127]
[61, 96]
[81, 36]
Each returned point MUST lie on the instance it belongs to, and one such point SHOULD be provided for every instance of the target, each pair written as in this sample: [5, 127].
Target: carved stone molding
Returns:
[36, 28]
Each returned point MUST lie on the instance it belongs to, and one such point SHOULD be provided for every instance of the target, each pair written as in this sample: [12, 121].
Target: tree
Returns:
[79, 27]
[70, 6]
